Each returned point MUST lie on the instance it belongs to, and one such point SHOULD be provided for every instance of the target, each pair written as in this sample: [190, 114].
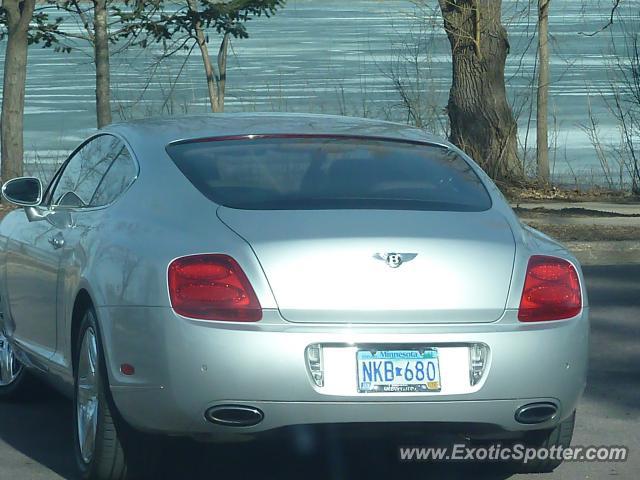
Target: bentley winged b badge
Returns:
[394, 260]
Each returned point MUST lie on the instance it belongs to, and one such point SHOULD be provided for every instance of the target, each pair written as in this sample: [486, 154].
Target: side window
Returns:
[84, 171]
[121, 174]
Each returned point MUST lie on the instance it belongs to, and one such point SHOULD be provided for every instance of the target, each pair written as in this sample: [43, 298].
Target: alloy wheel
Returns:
[10, 367]
[87, 403]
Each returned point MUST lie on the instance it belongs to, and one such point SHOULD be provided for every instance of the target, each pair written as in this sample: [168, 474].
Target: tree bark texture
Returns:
[101, 59]
[19, 14]
[481, 119]
[542, 127]
[201, 40]
[222, 71]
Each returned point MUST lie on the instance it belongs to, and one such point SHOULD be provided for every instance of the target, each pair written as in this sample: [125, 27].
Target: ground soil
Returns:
[4, 209]
[543, 219]
[531, 193]
[574, 212]
[586, 233]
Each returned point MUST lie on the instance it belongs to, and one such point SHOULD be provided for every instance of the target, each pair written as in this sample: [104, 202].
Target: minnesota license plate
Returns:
[398, 371]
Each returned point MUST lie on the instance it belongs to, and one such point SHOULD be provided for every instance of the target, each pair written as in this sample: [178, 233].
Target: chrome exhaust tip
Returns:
[234, 415]
[533, 413]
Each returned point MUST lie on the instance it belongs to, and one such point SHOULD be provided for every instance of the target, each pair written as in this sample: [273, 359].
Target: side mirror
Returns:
[23, 191]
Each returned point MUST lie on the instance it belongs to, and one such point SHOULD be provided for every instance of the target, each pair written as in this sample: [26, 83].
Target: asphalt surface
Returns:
[36, 438]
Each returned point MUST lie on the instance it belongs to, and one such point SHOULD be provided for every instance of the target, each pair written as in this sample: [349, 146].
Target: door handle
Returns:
[57, 241]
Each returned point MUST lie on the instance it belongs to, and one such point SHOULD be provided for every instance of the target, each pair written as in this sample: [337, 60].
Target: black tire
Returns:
[21, 387]
[121, 452]
[108, 460]
[559, 436]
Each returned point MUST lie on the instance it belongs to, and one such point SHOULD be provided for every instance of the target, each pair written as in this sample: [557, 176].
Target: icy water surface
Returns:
[333, 56]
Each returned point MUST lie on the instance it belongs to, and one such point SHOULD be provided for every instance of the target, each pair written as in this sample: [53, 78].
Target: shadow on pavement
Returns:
[41, 430]
[331, 458]
[614, 361]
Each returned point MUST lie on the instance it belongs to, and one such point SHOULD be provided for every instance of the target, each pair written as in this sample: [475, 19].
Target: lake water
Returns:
[335, 56]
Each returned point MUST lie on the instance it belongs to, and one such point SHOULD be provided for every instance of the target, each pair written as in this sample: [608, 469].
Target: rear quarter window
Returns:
[330, 173]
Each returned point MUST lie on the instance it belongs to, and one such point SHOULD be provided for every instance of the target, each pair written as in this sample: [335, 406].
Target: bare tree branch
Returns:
[614, 8]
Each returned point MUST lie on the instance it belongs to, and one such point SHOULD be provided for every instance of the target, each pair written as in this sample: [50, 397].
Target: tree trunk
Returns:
[222, 71]
[543, 93]
[101, 59]
[482, 123]
[19, 15]
[201, 39]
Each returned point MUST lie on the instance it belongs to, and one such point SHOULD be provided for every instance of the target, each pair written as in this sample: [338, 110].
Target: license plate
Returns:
[398, 371]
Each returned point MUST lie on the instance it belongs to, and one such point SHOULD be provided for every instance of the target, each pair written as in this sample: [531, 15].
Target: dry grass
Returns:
[530, 192]
[587, 233]
[5, 208]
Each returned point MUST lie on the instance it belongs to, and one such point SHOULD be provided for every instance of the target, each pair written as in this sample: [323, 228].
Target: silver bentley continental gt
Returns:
[221, 276]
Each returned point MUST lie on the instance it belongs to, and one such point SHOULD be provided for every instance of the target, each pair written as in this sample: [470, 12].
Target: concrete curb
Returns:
[606, 253]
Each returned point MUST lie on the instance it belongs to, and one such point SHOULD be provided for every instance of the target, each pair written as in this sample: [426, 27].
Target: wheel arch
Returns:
[82, 302]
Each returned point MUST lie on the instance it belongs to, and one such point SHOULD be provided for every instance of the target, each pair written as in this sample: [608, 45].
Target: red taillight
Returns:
[551, 290]
[212, 287]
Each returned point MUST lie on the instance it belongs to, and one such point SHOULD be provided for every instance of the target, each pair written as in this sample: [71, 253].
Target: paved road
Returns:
[35, 439]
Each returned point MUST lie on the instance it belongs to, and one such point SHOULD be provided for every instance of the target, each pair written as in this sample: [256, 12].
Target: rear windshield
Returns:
[330, 173]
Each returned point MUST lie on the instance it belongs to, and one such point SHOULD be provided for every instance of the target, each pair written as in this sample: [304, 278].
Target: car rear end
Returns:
[372, 280]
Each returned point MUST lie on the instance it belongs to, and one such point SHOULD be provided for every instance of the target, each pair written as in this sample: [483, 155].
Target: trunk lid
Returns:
[328, 266]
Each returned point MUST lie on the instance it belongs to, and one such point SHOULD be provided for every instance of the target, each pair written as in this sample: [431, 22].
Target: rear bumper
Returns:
[184, 367]
[494, 415]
